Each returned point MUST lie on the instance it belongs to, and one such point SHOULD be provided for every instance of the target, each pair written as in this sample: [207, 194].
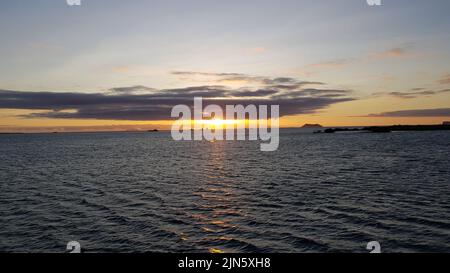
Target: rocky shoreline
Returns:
[388, 129]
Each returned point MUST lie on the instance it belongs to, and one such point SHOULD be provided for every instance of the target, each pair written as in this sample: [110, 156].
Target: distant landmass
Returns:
[387, 129]
[307, 125]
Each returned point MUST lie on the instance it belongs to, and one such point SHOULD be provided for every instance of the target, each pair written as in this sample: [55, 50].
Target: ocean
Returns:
[144, 192]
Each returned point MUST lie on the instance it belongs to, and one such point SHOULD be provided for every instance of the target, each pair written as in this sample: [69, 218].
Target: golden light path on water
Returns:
[222, 123]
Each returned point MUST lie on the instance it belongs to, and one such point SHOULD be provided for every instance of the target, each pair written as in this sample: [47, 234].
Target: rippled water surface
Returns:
[143, 192]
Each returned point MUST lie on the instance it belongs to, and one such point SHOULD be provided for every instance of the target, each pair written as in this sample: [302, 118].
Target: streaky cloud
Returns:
[440, 112]
[224, 78]
[415, 93]
[132, 89]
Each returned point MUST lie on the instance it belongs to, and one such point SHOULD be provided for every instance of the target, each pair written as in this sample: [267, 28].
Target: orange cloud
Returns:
[258, 50]
[445, 79]
[398, 52]
[391, 53]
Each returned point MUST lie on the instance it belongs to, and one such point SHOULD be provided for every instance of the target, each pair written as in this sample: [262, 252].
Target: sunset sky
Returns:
[122, 65]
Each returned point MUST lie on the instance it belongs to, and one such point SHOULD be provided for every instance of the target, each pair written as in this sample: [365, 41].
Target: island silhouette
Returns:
[445, 126]
[308, 125]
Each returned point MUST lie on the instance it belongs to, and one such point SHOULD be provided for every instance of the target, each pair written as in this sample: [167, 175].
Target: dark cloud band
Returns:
[157, 104]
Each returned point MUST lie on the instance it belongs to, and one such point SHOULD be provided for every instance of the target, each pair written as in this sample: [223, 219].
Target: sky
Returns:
[122, 65]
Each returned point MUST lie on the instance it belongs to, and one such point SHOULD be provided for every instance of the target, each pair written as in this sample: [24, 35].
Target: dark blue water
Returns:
[143, 192]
